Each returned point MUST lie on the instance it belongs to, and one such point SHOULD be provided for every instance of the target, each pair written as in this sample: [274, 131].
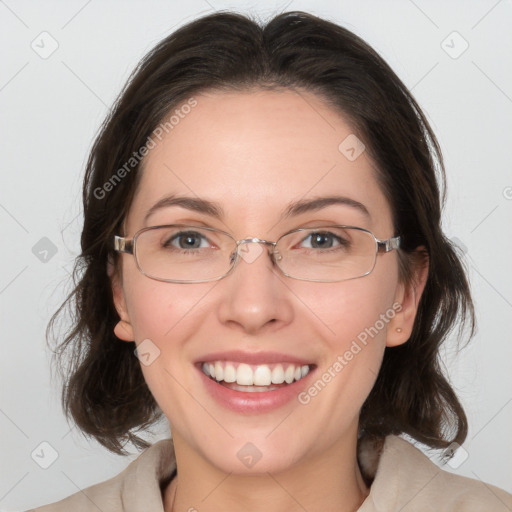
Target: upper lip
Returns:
[253, 357]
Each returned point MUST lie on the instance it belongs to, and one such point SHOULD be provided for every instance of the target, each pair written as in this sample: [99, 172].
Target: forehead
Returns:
[256, 152]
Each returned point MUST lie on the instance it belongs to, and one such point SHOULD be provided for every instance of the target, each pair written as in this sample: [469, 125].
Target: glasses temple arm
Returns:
[122, 244]
[389, 245]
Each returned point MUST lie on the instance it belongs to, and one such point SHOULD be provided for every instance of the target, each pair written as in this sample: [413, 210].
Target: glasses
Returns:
[180, 253]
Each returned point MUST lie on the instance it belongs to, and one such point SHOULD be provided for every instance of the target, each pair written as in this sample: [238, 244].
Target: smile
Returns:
[253, 378]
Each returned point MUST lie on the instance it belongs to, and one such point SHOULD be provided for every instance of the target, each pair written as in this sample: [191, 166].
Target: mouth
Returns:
[254, 382]
[248, 378]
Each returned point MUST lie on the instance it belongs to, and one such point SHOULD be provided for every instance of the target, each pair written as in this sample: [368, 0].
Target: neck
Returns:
[330, 480]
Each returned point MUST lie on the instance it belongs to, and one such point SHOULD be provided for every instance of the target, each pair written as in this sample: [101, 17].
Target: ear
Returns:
[123, 329]
[408, 297]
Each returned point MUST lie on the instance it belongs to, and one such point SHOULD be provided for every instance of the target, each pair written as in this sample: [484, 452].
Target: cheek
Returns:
[164, 317]
[345, 311]
[354, 317]
[157, 309]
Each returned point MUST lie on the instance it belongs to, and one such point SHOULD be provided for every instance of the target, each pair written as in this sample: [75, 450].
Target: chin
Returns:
[253, 455]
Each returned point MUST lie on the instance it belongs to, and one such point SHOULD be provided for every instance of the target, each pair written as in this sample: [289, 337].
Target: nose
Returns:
[255, 296]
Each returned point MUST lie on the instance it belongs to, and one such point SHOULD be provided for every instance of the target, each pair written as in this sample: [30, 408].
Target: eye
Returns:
[187, 240]
[323, 240]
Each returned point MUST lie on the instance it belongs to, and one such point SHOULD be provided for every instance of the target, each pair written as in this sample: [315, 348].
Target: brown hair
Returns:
[105, 392]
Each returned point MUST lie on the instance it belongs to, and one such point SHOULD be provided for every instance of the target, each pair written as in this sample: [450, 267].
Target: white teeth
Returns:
[278, 375]
[262, 375]
[289, 374]
[229, 373]
[219, 371]
[244, 375]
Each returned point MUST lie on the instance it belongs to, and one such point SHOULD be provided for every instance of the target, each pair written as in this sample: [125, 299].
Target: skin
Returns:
[254, 153]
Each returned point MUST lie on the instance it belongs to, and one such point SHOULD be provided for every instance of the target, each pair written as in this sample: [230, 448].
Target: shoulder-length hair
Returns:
[105, 392]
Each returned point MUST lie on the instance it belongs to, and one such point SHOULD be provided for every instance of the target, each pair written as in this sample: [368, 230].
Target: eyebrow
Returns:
[213, 209]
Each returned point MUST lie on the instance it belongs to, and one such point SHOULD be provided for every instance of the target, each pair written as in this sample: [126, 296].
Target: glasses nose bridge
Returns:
[255, 240]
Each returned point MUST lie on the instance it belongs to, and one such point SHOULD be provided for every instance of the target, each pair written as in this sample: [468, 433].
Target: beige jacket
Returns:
[405, 480]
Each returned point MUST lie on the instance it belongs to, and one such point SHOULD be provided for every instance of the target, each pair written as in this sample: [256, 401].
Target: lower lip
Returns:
[256, 402]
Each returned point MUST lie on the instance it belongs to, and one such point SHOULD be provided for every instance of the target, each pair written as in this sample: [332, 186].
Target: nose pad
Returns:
[233, 257]
[275, 255]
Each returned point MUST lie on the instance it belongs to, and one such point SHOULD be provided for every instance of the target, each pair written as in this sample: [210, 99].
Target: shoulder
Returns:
[135, 487]
[407, 480]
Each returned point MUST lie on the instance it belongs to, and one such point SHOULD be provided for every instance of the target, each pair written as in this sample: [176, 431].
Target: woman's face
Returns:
[254, 154]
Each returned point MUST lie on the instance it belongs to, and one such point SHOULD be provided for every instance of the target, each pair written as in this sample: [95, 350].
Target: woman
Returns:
[262, 221]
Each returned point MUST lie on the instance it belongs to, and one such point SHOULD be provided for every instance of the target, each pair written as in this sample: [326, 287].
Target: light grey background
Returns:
[52, 107]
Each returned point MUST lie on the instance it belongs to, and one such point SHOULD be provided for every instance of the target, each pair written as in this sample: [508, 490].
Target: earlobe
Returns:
[123, 330]
[408, 296]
